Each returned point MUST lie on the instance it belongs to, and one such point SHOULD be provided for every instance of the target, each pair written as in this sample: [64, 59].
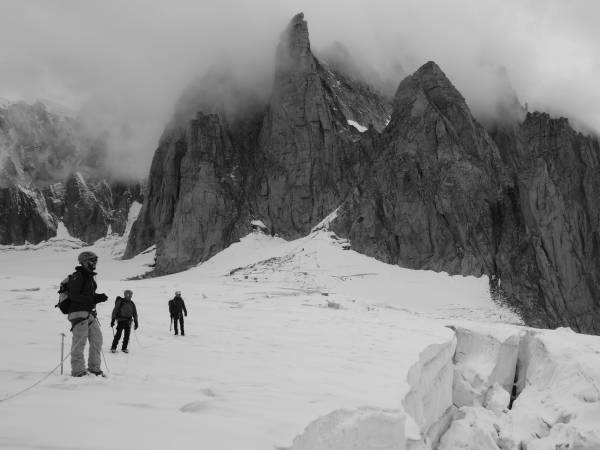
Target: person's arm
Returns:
[99, 298]
[113, 316]
[184, 309]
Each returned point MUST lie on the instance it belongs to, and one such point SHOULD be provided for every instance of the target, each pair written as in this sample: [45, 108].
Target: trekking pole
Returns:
[62, 351]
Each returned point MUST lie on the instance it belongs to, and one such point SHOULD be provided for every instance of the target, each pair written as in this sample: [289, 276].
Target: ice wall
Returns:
[557, 386]
[460, 397]
[429, 402]
[484, 358]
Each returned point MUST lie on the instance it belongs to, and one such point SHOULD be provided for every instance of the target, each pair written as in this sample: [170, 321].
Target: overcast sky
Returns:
[127, 61]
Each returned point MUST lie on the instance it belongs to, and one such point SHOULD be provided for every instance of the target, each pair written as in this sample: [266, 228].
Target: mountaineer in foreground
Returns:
[82, 315]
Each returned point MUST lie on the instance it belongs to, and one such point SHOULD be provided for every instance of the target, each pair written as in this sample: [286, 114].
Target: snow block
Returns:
[483, 358]
[364, 428]
[474, 429]
[429, 401]
[559, 391]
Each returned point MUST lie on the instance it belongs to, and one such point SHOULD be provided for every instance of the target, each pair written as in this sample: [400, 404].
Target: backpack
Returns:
[64, 302]
[125, 310]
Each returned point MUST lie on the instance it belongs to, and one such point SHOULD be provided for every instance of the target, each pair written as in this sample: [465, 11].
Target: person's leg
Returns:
[95, 337]
[127, 328]
[175, 320]
[181, 323]
[117, 337]
[80, 337]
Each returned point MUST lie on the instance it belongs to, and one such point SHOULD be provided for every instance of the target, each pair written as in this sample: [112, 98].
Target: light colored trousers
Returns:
[88, 329]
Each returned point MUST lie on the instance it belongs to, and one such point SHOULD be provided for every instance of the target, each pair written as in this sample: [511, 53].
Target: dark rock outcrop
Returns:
[557, 178]
[122, 196]
[24, 217]
[39, 152]
[355, 89]
[84, 216]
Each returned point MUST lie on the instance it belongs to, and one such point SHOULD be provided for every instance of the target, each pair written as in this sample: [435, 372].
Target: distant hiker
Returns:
[82, 315]
[123, 313]
[176, 308]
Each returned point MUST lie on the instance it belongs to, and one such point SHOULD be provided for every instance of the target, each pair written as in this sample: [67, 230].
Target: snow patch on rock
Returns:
[132, 215]
[358, 126]
[259, 225]
[324, 224]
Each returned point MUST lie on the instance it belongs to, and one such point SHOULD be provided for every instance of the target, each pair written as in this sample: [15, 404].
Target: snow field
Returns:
[265, 362]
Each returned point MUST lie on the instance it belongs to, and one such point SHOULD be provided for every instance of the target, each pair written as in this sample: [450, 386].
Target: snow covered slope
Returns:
[302, 345]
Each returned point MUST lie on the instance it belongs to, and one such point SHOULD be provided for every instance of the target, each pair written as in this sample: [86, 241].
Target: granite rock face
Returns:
[438, 176]
[90, 210]
[198, 189]
[305, 141]
[557, 177]
[432, 189]
[83, 216]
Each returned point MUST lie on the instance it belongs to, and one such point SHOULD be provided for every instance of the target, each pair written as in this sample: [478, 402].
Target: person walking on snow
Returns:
[124, 312]
[82, 315]
[176, 308]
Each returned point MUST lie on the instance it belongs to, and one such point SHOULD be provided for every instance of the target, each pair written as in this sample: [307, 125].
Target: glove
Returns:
[112, 323]
[185, 314]
[135, 327]
[100, 298]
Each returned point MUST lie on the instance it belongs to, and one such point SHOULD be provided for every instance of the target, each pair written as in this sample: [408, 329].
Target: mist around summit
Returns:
[122, 67]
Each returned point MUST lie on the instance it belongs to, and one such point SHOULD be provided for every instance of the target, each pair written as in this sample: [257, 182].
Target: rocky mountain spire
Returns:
[301, 139]
[287, 163]
[293, 51]
[437, 175]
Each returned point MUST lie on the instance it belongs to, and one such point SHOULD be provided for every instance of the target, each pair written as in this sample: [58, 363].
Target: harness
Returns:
[78, 320]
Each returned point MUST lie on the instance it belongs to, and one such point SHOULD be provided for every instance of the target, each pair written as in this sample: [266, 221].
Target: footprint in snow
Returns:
[195, 407]
[208, 392]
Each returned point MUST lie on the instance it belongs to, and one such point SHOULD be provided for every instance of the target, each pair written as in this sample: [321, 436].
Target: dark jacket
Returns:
[176, 306]
[82, 291]
[117, 315]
